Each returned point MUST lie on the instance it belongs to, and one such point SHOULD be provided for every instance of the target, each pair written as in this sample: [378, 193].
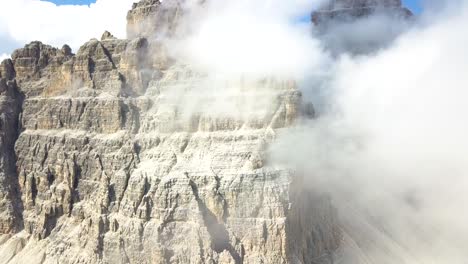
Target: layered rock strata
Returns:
[154, 18]
[120, 154]
[10, 109]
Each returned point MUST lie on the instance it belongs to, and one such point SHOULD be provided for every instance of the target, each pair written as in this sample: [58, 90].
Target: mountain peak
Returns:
[339, 10]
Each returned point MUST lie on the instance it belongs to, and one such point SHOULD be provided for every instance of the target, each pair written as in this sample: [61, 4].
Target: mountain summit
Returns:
[334, 10]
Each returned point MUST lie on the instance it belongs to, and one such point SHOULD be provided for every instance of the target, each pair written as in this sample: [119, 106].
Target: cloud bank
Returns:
[256, 38]
[390, 148]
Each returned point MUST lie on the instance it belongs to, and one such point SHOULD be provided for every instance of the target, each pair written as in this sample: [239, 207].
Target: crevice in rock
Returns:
[137, 150]
[184, 146]
[135, 119]
[218, 233]
[101, 166]
[108, 55]
[91, 67]
[33, 190]
[125, 187]
[50, 177]
[124, 110]
[50, 222]
[15, 190]
[75, 196]
[127, 170]
[81, 111]
[76, 174]
[220, 196]
[46, 154]
[68, 116]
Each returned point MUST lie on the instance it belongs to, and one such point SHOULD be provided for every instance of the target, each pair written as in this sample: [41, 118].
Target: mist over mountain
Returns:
[231, 132]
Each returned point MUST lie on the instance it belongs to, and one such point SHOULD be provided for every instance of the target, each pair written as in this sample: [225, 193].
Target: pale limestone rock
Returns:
[154, 18]
[123, 157]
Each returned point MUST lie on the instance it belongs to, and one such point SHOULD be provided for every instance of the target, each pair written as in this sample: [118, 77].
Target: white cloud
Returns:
[392, 151]
[237, 45]
[4, 56]
[253, 38]
[23, 21]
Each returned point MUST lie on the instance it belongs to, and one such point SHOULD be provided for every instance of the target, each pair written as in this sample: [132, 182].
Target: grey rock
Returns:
[10, 204]
[119, 154]
[7, 70]
[348, 10]
[41, 68]
[154, 18]
[110, 66]
[107, 35]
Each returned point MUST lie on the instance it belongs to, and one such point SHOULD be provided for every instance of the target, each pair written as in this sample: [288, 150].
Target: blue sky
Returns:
[110, 15]
[412, 4]
[71, 2]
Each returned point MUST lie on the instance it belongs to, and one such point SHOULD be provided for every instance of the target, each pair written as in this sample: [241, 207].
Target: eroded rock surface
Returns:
[154, 18]
[10, 108]
[119, 154]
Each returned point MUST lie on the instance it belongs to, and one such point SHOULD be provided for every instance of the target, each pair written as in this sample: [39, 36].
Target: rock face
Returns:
[153, 18]
[10, 108]
[119, 154]
[344, 10]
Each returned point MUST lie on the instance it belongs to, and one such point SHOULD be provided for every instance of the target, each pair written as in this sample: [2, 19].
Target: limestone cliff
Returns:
[10, 109]
[113, 155]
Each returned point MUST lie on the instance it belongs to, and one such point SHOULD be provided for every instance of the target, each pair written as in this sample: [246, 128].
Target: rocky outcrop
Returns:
[345, 10]
[154, 18]
[120, 154]
[10, 108]
[109, 66]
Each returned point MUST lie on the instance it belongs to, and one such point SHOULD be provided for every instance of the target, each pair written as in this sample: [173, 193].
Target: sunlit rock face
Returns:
[347, 10]
[154, 18]
[121, 154]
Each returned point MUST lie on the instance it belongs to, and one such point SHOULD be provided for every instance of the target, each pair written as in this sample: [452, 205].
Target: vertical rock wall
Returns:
[10, 108]
[119, 154]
